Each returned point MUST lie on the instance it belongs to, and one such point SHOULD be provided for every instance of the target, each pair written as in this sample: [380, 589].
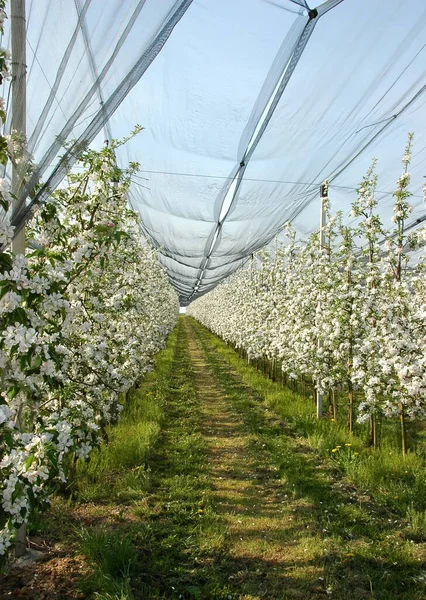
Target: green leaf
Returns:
[5, 287]
[7, 436]
[14, 349]
[102, 229]
[12, 391]
[30, 355]
[29, 461]
[19, 315]
[5, 261]
[37, 362]
[17, 491]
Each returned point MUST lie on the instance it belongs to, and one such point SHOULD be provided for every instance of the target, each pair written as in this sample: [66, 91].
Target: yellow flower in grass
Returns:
[335, 449]
[348, 445]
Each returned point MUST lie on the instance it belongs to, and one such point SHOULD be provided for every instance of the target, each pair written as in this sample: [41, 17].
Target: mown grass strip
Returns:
[365, 550]
[174, 531]
[182, 536]
[398, 483]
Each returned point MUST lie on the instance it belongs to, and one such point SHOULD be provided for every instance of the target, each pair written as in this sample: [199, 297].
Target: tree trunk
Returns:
[334, 404]
[20, 540]
[403, 430]
[350, 421]
[372, 434]
[375, 435]
[274, 370]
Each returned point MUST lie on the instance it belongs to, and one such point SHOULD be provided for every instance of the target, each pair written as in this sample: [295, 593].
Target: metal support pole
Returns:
[19, 103]
[323, 222]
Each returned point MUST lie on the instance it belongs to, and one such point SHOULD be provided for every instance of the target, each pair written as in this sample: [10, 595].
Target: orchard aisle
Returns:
[294, 528]
[205, 493]
[259, 517]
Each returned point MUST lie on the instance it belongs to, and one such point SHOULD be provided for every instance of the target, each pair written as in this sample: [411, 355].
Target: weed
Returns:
[112, 557]
[417, 520]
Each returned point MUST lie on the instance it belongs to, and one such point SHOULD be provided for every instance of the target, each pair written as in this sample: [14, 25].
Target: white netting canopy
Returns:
[247, 106]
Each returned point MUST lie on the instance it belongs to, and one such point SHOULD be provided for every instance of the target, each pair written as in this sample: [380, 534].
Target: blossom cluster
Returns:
[82, 315]
[350, 313]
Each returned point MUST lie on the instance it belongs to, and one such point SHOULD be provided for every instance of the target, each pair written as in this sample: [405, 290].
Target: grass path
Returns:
[296, 529]
[258, 517]
[207, 493]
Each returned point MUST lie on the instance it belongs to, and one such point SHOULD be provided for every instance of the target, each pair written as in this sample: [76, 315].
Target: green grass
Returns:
[417, 523]
[112, 557]
[166, 550]
[365, 547]
[119, 470]
[117, 477]
[399, 483]
[147, 517]
[181, 530]
[155, 554]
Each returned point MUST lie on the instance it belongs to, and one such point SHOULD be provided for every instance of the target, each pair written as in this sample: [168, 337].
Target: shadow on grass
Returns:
[274, 522]
[360, 545]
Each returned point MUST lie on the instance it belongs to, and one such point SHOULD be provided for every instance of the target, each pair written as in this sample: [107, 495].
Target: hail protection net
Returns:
[247, 106]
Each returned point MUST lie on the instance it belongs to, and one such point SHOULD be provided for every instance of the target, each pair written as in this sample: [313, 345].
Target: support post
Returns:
[19, 103]
[19, 116]
[323, 222]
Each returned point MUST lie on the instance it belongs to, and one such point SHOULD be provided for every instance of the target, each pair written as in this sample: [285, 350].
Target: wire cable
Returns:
[255, 179]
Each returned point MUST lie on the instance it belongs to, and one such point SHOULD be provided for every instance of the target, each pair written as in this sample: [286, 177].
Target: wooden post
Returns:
[18, 102]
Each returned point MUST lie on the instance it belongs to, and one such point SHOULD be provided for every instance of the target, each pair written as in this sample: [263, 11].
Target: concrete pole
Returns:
[323, 222]
[323, 213]
[19, 115]
[18, 102]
